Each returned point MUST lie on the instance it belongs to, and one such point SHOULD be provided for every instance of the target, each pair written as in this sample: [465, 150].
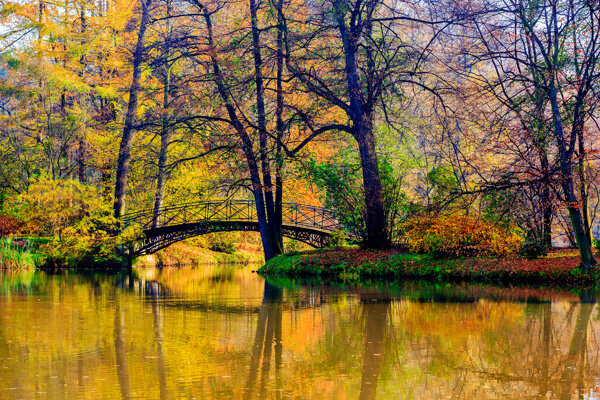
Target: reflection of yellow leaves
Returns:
[454, 320]
[218, 281]
[305, 329]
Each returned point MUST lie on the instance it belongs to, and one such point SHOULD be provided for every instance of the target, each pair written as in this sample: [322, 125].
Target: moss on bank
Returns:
[354, 264]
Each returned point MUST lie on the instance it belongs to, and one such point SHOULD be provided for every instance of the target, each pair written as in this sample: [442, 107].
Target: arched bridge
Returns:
[308, 224]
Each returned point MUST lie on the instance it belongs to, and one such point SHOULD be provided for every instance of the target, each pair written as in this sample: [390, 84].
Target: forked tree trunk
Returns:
[247, 147]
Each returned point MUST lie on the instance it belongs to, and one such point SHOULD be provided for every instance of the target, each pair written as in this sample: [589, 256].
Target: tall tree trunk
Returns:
[165, 134]
[81, 156]
[262, 127]
[547, 209]
[161, 179]
[128, 130]
[81, 145]
[377, 235]
[361, 116]
[566, 169]
[587, 220]
[277, 229]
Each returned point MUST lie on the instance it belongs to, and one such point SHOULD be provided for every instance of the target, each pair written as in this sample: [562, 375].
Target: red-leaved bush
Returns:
[9, 225]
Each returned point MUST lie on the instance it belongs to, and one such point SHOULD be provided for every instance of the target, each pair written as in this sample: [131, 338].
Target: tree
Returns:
[241, 101]
[59, 82]
[351, 55]
[259, 188]
[541, 58]
[132, 105]
[166, 130]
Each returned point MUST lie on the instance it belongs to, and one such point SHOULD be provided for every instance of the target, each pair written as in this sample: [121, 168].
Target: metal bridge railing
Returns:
[293, 214]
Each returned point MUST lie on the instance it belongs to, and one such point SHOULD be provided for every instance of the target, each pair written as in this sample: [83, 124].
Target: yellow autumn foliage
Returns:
[460, 235]
[51, 205]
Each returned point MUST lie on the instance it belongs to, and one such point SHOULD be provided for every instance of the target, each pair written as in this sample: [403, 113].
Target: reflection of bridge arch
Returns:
[308, 224]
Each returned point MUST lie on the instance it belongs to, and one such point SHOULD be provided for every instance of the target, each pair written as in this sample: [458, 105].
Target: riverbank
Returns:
[559, 268]
[29, 253]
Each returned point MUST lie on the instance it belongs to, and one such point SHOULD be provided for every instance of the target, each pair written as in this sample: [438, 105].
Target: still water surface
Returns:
[224, 332]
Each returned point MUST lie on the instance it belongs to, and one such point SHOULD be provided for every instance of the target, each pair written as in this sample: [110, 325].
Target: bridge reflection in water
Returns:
[305, 223]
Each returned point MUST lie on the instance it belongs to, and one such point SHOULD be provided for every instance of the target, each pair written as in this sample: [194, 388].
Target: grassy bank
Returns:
[41, 253]
[558, 268]
[18, 254]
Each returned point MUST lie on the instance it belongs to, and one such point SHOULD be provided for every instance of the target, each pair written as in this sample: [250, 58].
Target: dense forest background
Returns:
[477, 118]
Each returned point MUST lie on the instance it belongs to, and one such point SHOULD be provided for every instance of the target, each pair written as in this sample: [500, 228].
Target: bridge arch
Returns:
[309, 224]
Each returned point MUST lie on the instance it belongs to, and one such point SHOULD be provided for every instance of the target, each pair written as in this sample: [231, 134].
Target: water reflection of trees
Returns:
[575, 367]
[266, 340]
[375, 309]
[517, 348]
[540, 353]
[268, 346]
[121, 352]
[152, 290]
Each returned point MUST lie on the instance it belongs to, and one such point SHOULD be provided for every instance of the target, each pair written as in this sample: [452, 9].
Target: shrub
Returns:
[342, 183]
[338, 238]
[223, 245]
[9, 225]
[459, 235]
[533, 248]
[91, 244]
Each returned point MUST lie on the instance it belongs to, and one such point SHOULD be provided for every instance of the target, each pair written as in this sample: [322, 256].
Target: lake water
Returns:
[218, 332]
